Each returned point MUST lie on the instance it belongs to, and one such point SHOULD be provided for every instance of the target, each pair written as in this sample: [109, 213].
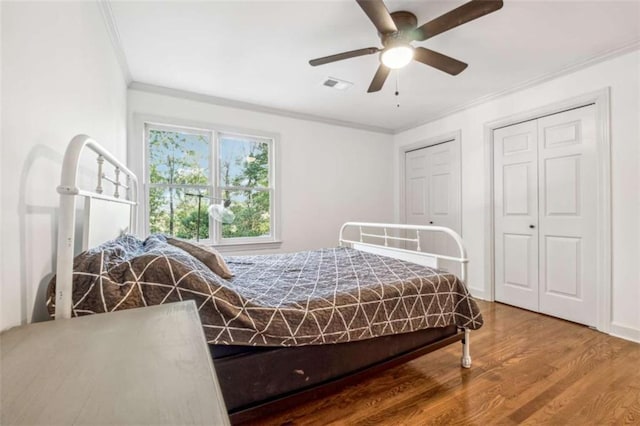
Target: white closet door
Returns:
[433, 194]
[545, 215]
[516, 214]
[568, 182]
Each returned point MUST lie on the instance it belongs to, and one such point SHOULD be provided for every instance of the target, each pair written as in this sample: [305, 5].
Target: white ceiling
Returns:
[257, 52]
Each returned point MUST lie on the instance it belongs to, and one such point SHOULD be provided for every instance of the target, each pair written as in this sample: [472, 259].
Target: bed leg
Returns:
[466, 357]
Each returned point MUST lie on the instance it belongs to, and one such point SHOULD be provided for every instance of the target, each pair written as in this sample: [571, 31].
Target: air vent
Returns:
[336, 83]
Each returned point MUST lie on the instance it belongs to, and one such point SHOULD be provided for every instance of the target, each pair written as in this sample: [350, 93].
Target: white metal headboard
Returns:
[118, 212]
[417, 255]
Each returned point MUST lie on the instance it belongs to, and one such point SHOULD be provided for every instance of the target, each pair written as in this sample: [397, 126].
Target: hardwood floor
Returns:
[527, 369]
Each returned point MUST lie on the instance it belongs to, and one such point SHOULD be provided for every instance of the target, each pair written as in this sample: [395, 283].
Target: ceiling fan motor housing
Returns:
[406, 22]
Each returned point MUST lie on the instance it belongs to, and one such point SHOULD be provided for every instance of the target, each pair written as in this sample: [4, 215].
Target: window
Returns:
[183, 163]
[244, 179]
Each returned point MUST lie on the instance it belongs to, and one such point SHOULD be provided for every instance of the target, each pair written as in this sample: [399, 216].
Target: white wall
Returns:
[328, 174]
[60, 77]
[622, 75]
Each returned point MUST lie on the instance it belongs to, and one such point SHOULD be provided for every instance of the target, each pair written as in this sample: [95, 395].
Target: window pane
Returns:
[173, 213]
[243, 161]
[178, 157]
[251, 209]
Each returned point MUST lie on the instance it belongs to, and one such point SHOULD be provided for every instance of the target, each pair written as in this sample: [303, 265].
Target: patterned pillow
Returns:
[205, 254]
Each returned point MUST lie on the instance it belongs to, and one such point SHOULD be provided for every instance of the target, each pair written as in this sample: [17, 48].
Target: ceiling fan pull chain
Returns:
[398, 88]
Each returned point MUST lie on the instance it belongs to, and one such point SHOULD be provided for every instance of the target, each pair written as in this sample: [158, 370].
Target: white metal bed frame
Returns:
[110, 227]
[68, 190]
[416, 256]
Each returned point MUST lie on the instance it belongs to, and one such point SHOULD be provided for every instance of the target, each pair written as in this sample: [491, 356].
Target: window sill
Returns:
[229, 248]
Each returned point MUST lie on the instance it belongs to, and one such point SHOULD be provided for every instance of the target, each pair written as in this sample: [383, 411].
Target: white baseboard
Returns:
[622, 331]
[480, 293]
[625, 332]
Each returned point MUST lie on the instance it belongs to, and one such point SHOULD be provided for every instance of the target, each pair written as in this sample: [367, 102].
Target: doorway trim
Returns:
[453, 137]
[601, 100]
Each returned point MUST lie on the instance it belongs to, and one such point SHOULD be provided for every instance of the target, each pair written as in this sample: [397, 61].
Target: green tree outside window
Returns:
[180, 163]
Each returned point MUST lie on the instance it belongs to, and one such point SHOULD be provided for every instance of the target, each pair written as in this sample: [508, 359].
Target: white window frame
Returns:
[218, 188]
[139, 158]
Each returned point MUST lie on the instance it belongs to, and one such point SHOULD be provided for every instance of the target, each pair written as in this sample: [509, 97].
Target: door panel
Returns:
[518, 142]
[516, 180]
[440, 194]
[516, 210]
[562, 186]
[562, 134]
[517, 254]
[567, 215]
[417, 190]
[563, 269]
[416, 187]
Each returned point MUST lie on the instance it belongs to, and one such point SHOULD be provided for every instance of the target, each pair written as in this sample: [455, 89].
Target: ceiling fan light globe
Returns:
[397, 57]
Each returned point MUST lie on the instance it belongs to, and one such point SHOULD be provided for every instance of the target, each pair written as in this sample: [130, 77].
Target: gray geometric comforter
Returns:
[314, 297]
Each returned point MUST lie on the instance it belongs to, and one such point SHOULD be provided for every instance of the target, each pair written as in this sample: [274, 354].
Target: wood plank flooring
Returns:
[527, 368]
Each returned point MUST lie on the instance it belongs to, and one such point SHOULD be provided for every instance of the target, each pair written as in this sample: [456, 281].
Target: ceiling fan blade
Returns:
[458, 16]
[379, 79]
[438, 61]
[343, 55]
[379, 15]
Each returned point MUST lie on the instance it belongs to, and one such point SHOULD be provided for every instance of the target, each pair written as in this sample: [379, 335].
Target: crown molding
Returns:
[609, 54]
[114, 36]
[214, 100]
[601, 57]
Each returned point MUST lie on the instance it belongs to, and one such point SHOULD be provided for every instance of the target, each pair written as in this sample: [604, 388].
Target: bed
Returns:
[285, 328]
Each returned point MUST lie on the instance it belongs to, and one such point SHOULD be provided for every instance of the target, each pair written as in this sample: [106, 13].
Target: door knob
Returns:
[532, 226]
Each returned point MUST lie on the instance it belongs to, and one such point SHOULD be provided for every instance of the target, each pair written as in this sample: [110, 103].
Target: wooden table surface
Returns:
[139, 366]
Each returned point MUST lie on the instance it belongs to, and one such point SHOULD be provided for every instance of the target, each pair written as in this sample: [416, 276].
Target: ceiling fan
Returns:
[398, 29]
